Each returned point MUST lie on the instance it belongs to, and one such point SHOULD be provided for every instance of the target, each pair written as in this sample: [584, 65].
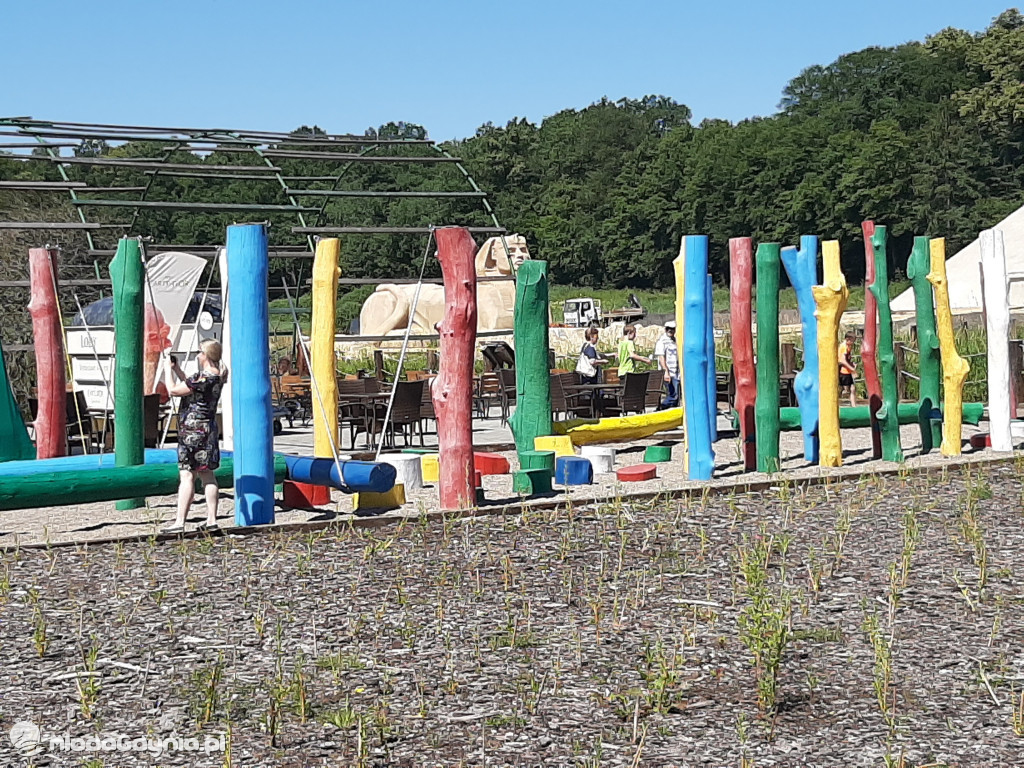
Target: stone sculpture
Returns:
[387, 309]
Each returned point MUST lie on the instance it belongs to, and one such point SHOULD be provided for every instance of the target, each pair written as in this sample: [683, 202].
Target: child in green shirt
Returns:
[628, 358]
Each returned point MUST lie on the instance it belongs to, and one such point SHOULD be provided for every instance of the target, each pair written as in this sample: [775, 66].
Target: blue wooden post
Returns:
[701, 457]
[802, 268]
[249, 329]
[712, 379]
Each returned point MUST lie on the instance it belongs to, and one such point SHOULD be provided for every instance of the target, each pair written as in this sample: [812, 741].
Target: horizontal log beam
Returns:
[351, 158]
[197, 135]
[92, 282]
[184, 206]
[58, 225]
[214, 175]
[372, 193]
[388, 230]
[415, 336]
[28, 186]
[146, 162]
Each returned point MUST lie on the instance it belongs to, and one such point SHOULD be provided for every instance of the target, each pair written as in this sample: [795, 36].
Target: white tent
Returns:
[964, 271]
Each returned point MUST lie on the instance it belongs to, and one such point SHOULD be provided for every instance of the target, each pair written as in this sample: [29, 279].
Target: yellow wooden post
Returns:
[954, 367]
[323, 369]
[831, 299]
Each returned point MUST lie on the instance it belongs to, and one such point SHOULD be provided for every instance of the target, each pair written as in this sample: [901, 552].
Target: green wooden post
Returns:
[532, 417]
[14, 440]
[766, 404]
[918, 266]
[126, 274]
[888, 420]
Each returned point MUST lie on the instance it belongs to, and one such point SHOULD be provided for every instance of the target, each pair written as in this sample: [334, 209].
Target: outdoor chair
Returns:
[508, 392]
[405, 413]
[655, 390]
[426, 406]
[488, 393]
[632, 396]
[351, 412]
[565, 402]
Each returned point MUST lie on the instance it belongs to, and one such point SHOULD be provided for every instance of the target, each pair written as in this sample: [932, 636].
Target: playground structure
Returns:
[546, 450]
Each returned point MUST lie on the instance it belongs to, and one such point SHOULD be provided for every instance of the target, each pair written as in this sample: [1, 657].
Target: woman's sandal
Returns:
[173, 530]
[207, 527]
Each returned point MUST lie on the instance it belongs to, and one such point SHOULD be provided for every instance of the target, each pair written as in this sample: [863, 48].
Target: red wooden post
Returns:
[51, 421]
[740, 279]
[868, 354]
[452, 390]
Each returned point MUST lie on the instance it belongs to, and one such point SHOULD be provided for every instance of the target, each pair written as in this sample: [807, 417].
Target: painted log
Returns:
[831, 299]
[321, 343]
[802, 268]
[741, 279]
[918, 266]
[48, 341]
[709, 338]
[859, 417]
[954, 367]
[227, 436]
[995, 290]
[126, 275]
[354, 477]
[452, 390]
[532, 416]
[587, 431]
[766, 406]
[868, 355]
[15, 444]
[52, 489]
[251, 406]
[691, 270]
[888, 422]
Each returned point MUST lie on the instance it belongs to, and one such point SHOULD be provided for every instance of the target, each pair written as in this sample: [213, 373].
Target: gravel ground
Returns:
[886, 610]
[84, 522]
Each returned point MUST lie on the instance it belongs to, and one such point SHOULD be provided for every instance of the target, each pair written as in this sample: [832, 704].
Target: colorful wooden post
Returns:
[954, 367]
[709, 303]
[452, 390]
[691, 273]
[888, 421]
[740, 281]
[48, 339]
[930, 371]
[766, 406]
[126, 275]
[532, 417]
[867, 349]
[995, 289]
[249, 331]
[831, 299]
[323, 367]
[15, 444]
[802, 267]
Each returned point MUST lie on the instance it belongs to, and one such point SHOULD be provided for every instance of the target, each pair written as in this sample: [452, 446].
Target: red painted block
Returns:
[981, 440]
[478, 478]
[490, 463]
[636, 473]
[305, 496]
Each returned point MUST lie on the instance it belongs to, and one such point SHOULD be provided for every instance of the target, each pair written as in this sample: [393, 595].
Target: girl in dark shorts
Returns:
[198, 438]
[847, 369]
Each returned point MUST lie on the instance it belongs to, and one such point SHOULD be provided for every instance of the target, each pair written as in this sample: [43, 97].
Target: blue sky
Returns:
[450, 66]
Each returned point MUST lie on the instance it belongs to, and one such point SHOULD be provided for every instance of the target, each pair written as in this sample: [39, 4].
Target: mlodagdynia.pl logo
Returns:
[26, 738]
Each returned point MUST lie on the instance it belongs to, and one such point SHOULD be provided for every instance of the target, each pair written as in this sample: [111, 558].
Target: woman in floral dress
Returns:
[198, 438]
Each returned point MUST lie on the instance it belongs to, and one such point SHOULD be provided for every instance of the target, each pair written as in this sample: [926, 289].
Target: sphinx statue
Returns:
[386, 310]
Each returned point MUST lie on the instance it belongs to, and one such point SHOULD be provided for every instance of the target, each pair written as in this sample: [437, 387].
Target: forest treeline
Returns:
[925, 137]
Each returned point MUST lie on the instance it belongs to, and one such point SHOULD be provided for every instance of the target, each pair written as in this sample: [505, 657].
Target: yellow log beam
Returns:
[954, 367]
[831, 299]
[322, 364]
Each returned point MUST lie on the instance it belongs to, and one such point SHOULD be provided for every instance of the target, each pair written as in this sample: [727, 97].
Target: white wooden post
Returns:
[997, 321]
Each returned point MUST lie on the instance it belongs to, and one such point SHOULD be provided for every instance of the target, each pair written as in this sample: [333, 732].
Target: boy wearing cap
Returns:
[668, 363]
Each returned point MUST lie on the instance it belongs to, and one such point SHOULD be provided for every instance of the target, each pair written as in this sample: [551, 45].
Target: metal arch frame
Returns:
[443, 152]
[40, 130]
